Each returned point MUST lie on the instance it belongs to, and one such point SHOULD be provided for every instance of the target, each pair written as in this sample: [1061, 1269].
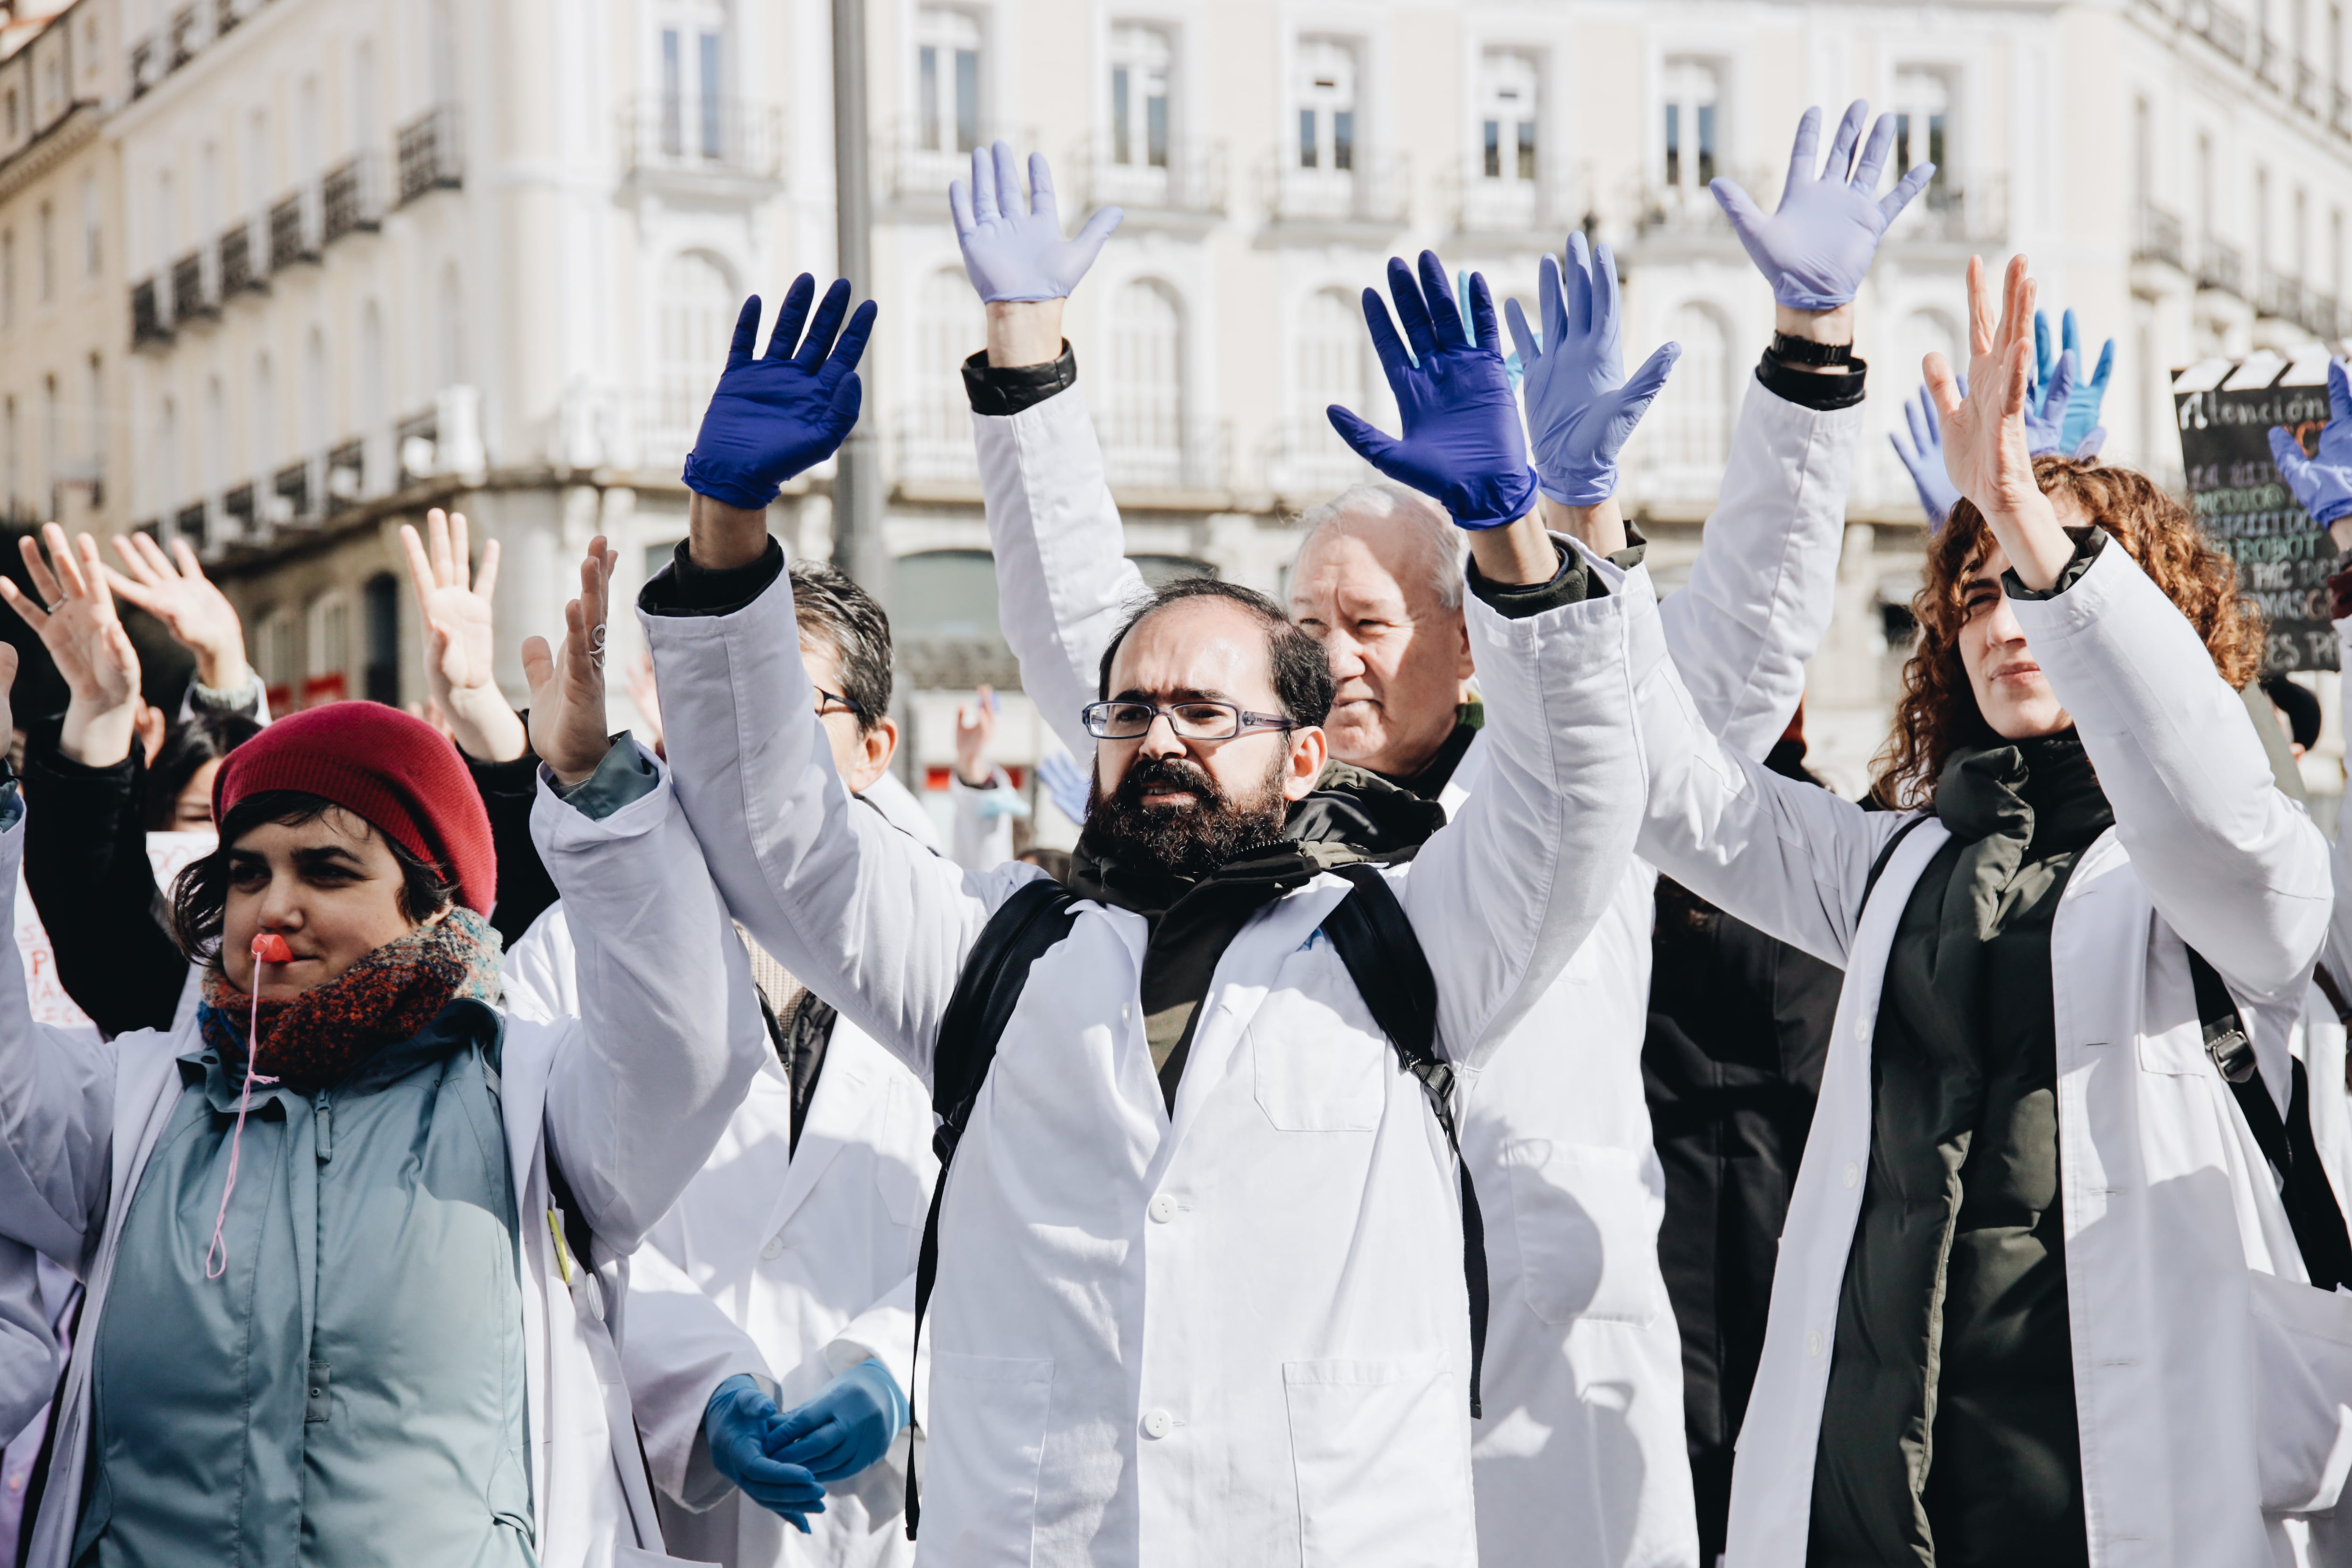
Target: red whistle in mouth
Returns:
[270, 947]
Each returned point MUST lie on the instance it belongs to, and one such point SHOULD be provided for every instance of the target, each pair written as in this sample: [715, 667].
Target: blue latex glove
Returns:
[772, 416]
[1815, 248]
[1511, 361]
[1462, 446]
[844, 1429]
[1580, 407]
[739, 1425]
[1924, 457]
[1065, 783]
[2323, 484]
[2046, 405]
[2081, 425]
[1010, 254]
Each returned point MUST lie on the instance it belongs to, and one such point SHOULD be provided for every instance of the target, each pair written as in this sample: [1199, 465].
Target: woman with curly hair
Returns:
[2039, 1298]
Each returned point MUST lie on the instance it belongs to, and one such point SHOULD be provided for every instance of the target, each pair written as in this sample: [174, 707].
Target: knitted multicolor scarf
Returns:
[311, 1041]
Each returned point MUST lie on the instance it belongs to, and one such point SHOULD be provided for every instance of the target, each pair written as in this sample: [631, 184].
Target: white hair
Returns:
[1434, 542]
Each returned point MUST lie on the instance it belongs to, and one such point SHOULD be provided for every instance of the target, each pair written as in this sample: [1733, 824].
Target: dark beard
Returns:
[1188, 841]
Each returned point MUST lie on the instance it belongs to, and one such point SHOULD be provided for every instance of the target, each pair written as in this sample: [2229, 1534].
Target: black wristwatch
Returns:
[1804, 351]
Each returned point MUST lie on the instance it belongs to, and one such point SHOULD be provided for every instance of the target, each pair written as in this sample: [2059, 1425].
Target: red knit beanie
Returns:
[397, 771]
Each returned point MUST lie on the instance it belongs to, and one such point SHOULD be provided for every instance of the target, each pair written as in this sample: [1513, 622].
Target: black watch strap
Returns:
[1804, 351]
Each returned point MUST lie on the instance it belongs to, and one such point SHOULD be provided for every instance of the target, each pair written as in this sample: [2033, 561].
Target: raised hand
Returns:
[174, 589]
[1924, 457]
[1815, 248]
[567, 690]
[1011, 254]
[1985, 445]
[2323, 484]
[1067, 784]
[772, 416]
[458, 636]
[737, 1426]
[976, 726]
[2079, 434]
[845, 1428]
[76, 621]
[1580, 407]
[1463, 445]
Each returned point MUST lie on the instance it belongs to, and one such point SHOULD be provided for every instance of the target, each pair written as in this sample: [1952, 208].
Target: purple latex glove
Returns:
[2322, 484]
[772, 416]
[1580, 407]
[1816, 248]
[1462, 446]
[2045, 408]
[1012, 255]
[1924, 457]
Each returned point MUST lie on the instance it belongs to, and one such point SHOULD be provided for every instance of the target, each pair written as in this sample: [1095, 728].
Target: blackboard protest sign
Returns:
[2226, 411]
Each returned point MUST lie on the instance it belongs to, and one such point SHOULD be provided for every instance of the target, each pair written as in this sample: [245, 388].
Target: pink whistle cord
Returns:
[271, 943]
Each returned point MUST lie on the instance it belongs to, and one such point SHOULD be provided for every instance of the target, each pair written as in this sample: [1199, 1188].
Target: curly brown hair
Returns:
[1938, 712]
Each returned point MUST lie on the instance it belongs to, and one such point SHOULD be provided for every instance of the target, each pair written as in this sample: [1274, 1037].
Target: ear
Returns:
[1464, 666]
[875, 747]
[1309, 752]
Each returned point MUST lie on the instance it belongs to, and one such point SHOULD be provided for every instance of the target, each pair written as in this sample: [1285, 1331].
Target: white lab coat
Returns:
[633, 1100]
[2214, 1387]
[1237, 1334]
[1581, 1457]
[786, 1266]
[29, 1345]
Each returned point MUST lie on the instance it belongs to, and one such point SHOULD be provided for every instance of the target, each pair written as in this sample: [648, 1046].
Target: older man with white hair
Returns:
[1580, 1456]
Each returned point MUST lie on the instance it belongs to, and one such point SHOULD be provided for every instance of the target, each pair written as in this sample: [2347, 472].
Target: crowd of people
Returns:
[1469, 1096]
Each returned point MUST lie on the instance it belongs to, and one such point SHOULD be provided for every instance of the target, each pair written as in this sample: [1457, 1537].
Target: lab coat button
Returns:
[1162, 1209]
[1813, 1342]
[1156, 1423]
[773, 1249]
[1852, 1175]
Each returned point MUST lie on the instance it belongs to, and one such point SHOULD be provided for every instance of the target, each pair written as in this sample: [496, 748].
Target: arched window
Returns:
[1690, 429]
[452, 361]
[1331, 364]
[373, 370]
[318, 398]
[167, 476]
[1143, 424]
[696, 320]
[948, 325]
[261, 434]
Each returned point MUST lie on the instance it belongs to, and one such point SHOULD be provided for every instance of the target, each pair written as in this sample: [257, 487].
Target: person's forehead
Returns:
[1196, 645]
[337, 825]
[823, 660]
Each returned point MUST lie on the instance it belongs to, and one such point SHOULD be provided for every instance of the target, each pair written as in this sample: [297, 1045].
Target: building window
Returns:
[1327, 105]
[1330, 362]
[381, 679]
[1144, 429]
[7, 278]
[97, 422]
[1694, 92]
[2263, 252]
[1923, 105]
[327, 676]
[2336, 252]
[948, 325]
[947, 68]
[698, 304]
[1507, 119]
[1140, 62]
[46, 261]
[53, 440]
[277, 646]
[693, 66]
[15, 455]
[92, 254]
[1693, 416]
[164, 474]
[451, 357]
[2301, 233]
[262, 431]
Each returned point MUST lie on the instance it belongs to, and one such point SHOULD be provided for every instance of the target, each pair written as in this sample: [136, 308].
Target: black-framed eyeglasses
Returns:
[826, 701]
[1198, 721]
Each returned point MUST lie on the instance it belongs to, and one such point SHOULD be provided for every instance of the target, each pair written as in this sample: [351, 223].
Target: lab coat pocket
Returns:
[2302, 1393]
[1586, 1218]
[1317, 1062]
[1380, 1456]
[986, 1422]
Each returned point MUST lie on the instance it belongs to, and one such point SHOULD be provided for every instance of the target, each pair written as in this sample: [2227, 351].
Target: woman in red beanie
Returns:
[352, 1237]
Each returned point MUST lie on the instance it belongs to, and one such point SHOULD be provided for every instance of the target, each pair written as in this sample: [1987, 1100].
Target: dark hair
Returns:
[2301, 707]
[201, 739]
[200, 896]
[1301, 670]
[833, 609]
[1938, 712]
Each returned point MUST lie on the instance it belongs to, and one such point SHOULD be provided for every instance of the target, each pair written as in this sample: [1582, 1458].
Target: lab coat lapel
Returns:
[837, 1113]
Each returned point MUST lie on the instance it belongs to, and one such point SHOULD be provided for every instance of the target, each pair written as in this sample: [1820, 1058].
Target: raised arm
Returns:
[1502, 896]
[868, 918]
[669, 1033]
[1064, 583]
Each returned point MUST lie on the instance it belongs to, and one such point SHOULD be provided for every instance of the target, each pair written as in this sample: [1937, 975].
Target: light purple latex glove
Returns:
[2323, 484]
[1580, 407]
[1013, 254]
[1816, 248]
[1924, 457]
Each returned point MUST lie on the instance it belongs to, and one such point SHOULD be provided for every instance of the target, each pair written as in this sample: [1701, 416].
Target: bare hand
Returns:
[1986, 451]
[458, 632]
[76, 621]
[567, 689]
[976, 726]
[174, 589]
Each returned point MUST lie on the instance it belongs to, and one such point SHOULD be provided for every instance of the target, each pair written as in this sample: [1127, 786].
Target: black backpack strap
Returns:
[1886, 853]
[2303, 1188]
[1037, 915]
[1375, 941]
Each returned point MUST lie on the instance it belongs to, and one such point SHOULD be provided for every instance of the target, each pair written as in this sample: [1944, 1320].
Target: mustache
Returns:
[1169, 772]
